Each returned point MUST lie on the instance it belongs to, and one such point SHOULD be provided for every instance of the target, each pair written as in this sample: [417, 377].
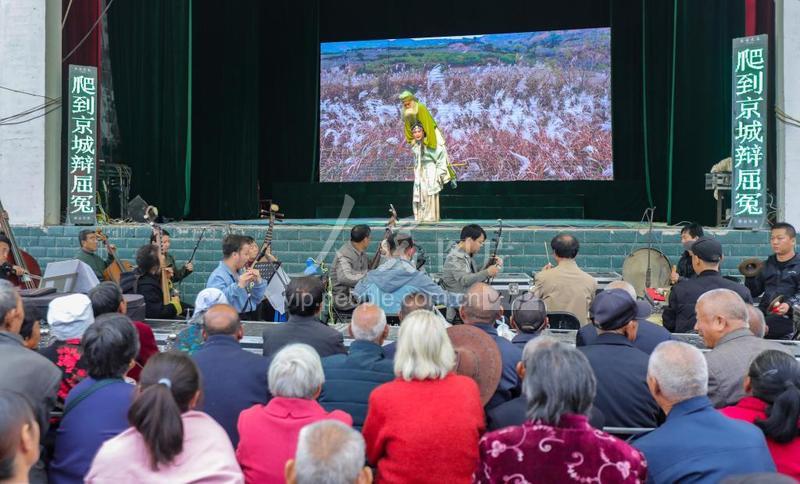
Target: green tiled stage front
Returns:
[604, 245]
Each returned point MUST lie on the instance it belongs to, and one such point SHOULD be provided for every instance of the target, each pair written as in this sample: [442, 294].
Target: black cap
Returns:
[707, 249]
[529, 312]
[613, 309]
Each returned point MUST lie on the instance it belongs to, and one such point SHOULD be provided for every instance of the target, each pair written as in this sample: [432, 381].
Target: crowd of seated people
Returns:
[310, 409]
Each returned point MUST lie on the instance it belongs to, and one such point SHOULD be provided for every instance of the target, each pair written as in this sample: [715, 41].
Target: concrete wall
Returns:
[522, 249]
[22, 146]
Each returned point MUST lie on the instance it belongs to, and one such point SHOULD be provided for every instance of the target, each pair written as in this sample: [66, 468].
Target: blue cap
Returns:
[613, 309]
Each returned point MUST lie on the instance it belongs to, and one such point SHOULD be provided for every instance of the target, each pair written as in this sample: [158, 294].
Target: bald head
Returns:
[368, 323]
[412, 302]
[755, 318]
[726, 304]
[625, 286]
[481, 304]
[221, 319]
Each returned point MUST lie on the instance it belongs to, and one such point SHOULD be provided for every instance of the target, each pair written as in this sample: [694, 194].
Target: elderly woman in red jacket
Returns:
[773, 404]
[424, 426]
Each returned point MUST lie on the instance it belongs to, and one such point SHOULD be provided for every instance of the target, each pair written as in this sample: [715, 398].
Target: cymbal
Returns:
[751, 266]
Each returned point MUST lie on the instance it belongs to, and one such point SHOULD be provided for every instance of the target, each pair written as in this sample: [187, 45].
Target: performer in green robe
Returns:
[430, 175]
[414, 112]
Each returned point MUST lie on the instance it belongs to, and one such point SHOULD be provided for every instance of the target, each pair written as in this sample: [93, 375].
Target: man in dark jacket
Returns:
[648, 335]
[780, 276]
[350, 378]
[528, 317]
[233, 378]
[620, 368]
[304, 303]
[679, 315]
[689, 233]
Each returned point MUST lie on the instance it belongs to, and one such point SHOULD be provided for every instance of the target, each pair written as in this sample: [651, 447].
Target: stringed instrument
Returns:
[376, 259]
[32, 273]
[498, 236]
[265, 262]
[150, 214]
[118, 267]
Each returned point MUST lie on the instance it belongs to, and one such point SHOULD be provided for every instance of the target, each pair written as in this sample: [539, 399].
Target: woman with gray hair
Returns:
[424, 426]
[268, 433]
[556, 443]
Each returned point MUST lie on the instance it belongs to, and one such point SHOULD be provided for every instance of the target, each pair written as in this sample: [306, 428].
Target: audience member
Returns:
[756, 321]
[556, 442]
[513, 412]
[773, 405]
[328, 452]
[146, 281]
[107, 298]
[68, 317]
[424, 426]
[780, 277]
[30, 331]
[350, 378]
[478, 357]
[387, 285]
[648, 334]
[350, 265]
[97, 408]
[679, 315]
[696, 443]
[168, 440]
[230, 278]
[412, 302]
[689, 233]
[528, 318]
[23, 370]
[268, 433]
[233, 378]
[722, 323]
[304, 297]
[565, 287]
[190, 340]
[620, 368]
[19, 437]
[481, 308]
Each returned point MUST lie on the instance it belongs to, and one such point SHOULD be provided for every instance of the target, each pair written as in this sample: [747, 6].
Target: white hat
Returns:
[207, 298]
[69, 316]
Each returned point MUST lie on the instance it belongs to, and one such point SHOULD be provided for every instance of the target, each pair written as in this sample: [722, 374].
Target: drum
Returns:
[136, 309]
[634, 269]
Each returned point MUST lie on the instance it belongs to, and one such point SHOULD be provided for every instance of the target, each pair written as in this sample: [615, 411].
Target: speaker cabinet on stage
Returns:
[136, 208]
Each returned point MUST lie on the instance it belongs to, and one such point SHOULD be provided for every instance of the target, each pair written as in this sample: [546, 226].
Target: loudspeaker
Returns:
[136, 207]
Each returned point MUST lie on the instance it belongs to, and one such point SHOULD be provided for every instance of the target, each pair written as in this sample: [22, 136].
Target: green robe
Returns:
[94, 261]
[423, 116]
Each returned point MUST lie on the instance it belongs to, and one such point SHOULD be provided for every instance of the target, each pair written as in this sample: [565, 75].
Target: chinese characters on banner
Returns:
[82, 145]
[749, 140]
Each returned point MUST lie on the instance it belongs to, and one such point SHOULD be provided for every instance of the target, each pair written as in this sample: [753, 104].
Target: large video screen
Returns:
[508, 107]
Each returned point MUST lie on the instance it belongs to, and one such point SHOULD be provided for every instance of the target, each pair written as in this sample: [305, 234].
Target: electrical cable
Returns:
[66, 14]
[31, 110]
[30, 119]
[24, 92]
[99, 18]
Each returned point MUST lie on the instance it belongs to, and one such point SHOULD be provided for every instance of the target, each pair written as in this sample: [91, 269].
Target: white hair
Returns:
[680, 370]
[724, 302]
[295, 372]
[423, 348]
[359, 329]
[756, 321]
[624, 285]
[8, 299]
[329, 452]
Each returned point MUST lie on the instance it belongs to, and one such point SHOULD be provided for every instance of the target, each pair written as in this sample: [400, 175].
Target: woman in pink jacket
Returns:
[168, 440]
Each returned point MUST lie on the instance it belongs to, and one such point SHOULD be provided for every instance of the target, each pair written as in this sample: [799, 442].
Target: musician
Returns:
[244, 290]
[88, 241]
[146, 280]
[689, 234]
[178, 273]
[459, 272]
[780, 276]
[350, 265]
[6, 268]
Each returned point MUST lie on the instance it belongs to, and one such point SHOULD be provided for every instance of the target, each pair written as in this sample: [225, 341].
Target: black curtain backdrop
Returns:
[255, 98]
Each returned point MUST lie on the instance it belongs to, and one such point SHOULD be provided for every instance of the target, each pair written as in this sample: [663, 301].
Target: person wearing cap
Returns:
[648, 334]
[679, 315]
[397, 276]
[528, 317]
[620, 368]
[68, 317]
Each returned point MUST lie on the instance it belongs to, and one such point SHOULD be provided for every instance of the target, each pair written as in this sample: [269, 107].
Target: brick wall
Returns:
[523, 250]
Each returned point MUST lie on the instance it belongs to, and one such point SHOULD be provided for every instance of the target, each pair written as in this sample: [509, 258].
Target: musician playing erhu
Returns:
[350, 265]
[6, 268]
[177, 274]
[244, 290]
[88, 241]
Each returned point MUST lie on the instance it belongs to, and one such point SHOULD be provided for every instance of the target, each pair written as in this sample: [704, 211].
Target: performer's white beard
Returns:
[410, 113]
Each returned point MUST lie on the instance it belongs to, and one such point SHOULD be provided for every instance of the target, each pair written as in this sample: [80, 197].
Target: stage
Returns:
[605, 244]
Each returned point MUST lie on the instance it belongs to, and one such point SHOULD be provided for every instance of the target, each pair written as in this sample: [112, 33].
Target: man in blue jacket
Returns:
[696, 443]
[350, 378]
[233, 378]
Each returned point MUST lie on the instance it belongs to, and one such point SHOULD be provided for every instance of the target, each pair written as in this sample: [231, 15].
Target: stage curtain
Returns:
[149, 56]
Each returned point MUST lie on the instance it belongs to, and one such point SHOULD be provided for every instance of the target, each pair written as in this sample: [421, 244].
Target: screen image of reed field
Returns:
[522, 106]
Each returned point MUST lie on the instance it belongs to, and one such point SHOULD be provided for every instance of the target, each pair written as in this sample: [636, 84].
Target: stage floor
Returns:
[451, 223]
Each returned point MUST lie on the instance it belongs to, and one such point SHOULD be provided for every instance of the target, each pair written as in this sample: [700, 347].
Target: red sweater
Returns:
[147, 348]
[786, 456]
[424, 430]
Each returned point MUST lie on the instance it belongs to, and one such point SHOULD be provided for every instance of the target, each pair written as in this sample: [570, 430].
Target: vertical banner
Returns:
[82, 145]
[749, 140]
